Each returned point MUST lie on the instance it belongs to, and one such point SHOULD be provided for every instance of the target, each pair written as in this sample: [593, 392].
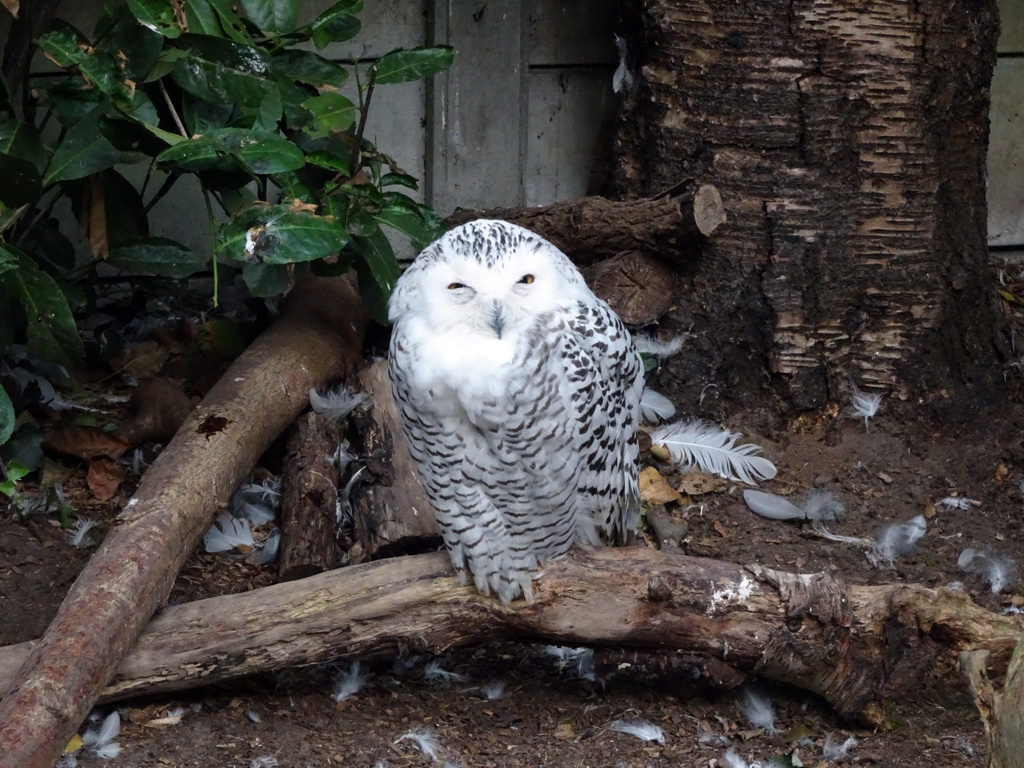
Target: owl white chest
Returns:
[457, 371]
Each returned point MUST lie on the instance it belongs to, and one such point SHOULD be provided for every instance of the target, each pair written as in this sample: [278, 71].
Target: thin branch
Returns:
[170, 106]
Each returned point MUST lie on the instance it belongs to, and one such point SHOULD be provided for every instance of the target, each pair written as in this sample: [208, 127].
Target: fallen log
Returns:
[853, 645]
[671, 225]
[129, 577]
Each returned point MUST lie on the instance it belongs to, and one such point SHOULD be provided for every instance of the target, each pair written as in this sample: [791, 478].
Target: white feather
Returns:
[336, 403]
[825, 533]
[822, 505]
[493, 690]
[897, 540]
[758, 710]
[714, 450]
[434, 673]
[641, 729]
[425, 741]
[832, 751]
[957, 502]
[655, 407]
[349, 682]
[648, 345]
[581, 659]
[996, 568]
[622, 79]
[228, 533]
[267, 761]
[865, 406]
[268, 550]
[772, 506]
[78, 536]
[101, 741]
[733, 760]
[257, 514]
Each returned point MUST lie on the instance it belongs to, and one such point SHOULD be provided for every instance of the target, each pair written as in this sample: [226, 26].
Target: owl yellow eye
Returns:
[526, 279]
[455, 286]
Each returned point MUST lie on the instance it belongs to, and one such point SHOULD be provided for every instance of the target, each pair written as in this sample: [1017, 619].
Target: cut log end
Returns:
[708, 209]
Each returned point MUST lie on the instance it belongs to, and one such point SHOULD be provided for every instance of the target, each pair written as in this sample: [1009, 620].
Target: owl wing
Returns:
[608, 383]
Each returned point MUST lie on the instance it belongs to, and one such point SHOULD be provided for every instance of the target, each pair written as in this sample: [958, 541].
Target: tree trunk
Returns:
[853, 645]
[848, 143]
[130, 576]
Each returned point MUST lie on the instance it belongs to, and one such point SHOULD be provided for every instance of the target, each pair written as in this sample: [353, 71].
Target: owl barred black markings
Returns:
[519, 390]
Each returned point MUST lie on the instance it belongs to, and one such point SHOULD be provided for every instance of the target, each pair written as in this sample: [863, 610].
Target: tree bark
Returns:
[316, 339]
[853, 645]
[672, 224]
[309, 498]
[849, 147]
[391, 510]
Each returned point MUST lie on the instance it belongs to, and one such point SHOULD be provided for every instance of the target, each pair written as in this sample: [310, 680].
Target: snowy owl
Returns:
[520, 394]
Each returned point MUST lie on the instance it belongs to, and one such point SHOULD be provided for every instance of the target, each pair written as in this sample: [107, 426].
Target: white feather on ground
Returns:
[267, 761]
[957, 502]
[817, 505]
[101, 741]
[336, 403]
[349, 682]
[865, 406]
[434, 673]
[655, 407]
[425, 741]
[758, 710]
[897, 540]
[228, 533]
[996, 568]
[493, 690]
[78, 537]
[832, 751]
[733, 760]
[710, 449]
[641, 729]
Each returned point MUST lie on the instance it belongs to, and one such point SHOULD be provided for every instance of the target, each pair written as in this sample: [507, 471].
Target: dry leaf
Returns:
[161, 407]
[1001, 473]
[720, 529]
[564, 732]
[655, 489]
[103, 478]
[13, 6]
[85, 442]
[699, 483]
[929, 509]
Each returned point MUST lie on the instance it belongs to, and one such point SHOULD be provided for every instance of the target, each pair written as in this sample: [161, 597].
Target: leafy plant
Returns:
[226, 93]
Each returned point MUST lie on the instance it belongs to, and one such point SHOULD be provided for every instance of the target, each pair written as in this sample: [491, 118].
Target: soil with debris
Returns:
[521, 704]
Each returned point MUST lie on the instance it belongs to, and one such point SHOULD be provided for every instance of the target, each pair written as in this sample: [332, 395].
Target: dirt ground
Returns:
[550, 715]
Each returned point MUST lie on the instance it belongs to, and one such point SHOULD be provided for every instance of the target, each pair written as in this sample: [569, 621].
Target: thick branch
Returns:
[853, 645]
[131, 574]
[591, 228]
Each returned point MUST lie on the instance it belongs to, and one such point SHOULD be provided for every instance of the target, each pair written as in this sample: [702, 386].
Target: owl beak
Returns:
[497, 316]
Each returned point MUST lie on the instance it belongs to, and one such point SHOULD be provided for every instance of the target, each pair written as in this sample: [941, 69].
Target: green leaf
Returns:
[65, 48]
[229, 20]
[404, 66]
[280, 234]
[6, 416]
[379, 258]
[337, 24]
[273, 17]
[266, 280]
[156, 15]
[156, 256]
[223, 72]
[50, 325]
[19, 139]
[399, 179]
[256, 151]
[308, 67]
[135, 46]
[332, 161]
[331, 112]
[409, 220]
[202, 19]
[84, 151]
[20, 182]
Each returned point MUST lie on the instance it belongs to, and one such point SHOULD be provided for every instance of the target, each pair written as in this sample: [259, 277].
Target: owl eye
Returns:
[526, 279]
[455, 286]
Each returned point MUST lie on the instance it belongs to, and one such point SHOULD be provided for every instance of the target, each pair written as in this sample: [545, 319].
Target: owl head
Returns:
[488, 277]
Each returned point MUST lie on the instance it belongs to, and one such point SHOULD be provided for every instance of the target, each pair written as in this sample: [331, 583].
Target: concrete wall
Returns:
[1006, 144]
